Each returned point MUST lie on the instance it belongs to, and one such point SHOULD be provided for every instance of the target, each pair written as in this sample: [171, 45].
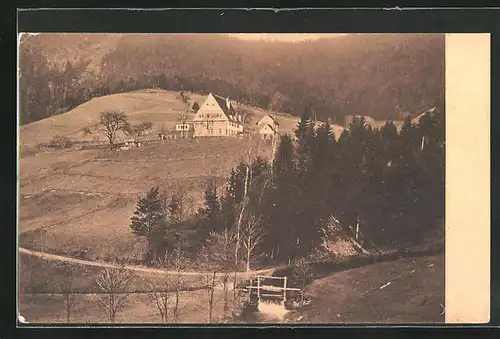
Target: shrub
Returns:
[60, 142]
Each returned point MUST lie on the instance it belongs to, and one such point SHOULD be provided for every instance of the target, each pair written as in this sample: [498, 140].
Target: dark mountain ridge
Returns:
[380, 75]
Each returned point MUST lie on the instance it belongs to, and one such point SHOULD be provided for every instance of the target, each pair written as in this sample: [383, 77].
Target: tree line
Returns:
[329, 76]
[384, 188]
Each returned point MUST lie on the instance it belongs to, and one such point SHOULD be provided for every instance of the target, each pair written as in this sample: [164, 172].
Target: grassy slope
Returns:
[139, 309]
[158, 106]
[84, 198]
[353, 295]
[46, 305]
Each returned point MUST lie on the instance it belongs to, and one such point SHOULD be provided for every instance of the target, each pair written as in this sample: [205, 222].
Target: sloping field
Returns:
[87, 205]
[160, 107]
[83, 199]
[404, 291]
[414, 295]
[140, 309]
[43, 303]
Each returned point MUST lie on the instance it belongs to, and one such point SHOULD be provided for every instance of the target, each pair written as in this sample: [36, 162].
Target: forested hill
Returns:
[381, 75]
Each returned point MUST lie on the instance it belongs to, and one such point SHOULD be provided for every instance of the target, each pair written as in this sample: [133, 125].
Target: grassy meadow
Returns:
[83, 199]
[359, 295]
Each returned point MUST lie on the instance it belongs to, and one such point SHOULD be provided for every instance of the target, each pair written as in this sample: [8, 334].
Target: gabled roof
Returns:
[222, 102]
[271, 127]
[270, 116]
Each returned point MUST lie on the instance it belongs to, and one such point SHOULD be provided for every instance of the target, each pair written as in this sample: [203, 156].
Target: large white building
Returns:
[217, 117]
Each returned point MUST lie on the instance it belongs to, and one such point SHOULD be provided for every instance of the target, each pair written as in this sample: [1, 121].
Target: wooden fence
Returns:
[265, 289]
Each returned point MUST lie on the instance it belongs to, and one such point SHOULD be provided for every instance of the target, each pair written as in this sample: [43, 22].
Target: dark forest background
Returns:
[384, 76]
[382, 188]
[390, 184]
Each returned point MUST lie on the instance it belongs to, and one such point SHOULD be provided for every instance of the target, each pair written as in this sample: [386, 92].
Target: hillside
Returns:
[86, 197]
[415, 292]
[352, 296]
[160, 107]
[328, 76]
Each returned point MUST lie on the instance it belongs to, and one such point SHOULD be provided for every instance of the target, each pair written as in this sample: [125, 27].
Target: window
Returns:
[220, 130]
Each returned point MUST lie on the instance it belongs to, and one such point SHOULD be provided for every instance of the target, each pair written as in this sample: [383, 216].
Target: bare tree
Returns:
[114, 286]
[68, 293]
[209, 288]
[252, 234]
[217, 254]
[113, 121]
[179, 261]
[178, 205]
[244, 203]
[160, 294]
[164, 289]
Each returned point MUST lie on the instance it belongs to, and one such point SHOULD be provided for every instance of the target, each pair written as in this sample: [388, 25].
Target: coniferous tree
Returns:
[211, 212]
[304, 134]
[284, 166]
[429, 179]
[312, 203]
[260, 183]
[278, 219]
[149, 220]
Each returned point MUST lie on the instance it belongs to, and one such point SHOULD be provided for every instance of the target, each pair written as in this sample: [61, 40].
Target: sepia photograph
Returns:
[231, 178]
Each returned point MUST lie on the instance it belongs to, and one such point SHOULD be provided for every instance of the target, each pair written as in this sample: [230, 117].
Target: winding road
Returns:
[141, 269]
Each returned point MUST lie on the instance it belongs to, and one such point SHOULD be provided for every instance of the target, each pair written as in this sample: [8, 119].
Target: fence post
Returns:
[258, 286]
[284, 290]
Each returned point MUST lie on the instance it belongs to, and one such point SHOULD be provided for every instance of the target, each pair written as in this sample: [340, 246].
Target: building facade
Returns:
[217, 117]
[268, 127]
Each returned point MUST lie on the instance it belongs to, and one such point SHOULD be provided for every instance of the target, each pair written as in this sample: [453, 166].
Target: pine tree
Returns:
[228, 211]
[429, 177]
[304, 133]
[211, 212]
[278, 216]
[259, 184]
[313, 206]
[149, 220]
[284, 166]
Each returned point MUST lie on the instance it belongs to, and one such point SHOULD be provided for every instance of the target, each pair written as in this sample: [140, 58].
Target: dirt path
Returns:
[54, 257]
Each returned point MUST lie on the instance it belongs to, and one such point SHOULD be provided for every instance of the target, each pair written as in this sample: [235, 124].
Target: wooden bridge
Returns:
[264, 288]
